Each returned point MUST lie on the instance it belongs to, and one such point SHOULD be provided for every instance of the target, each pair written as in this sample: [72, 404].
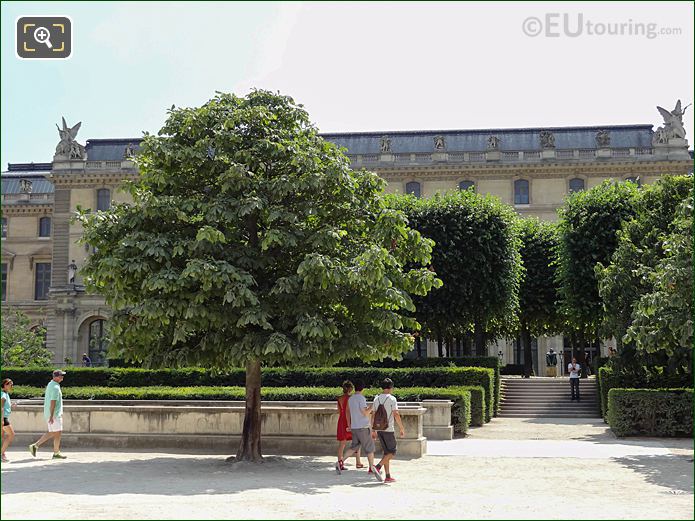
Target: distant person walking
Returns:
[587, 362]
[53, 413]
[86, 361]
[7, 430]
[362, 437]
[574, 369]
[387, 436]
[344, 434]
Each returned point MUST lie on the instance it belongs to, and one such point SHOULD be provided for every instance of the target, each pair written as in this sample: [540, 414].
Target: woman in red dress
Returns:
[344, 435]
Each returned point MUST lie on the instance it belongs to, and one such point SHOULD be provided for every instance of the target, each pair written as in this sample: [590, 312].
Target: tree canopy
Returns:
[249, 240]
[476, 255]
[23, 345]
[538, 294]
[588, 234]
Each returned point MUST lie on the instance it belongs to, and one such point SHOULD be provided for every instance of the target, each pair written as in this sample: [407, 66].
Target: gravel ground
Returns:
[511, 477]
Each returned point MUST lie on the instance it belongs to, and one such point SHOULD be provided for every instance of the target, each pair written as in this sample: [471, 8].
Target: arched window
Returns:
[413, 187]
[634, 180]
[45, 227]
[466, 185]
[97, 342]
[103, 199]
[521, 192]
[576, 185]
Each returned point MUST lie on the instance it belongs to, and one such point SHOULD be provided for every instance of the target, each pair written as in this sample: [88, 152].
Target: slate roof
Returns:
[511, 139]
[422, 141]
[109, 149]
[34, 172]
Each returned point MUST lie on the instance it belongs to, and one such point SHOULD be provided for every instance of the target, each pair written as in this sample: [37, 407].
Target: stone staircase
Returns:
[547, 398]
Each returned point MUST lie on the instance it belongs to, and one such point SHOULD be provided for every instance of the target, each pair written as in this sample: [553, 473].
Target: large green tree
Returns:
[23, 345]
[538, 295]
[624, 281]
[250, 240]
[663, 315]
[588, 235]
[476, 255]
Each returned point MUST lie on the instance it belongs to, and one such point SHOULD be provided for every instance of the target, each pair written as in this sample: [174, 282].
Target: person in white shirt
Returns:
[387, 437]
[574, 370]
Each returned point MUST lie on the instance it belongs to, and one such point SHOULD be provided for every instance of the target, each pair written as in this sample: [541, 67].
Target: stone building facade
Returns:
[531, 169]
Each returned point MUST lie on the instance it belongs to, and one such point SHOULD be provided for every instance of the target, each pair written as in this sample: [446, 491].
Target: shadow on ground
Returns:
[172, 476]
[673, 472]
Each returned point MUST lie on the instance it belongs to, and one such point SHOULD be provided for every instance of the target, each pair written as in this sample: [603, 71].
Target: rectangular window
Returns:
[45, 227]
[43, 280]
[103, 199]
[4, 282]
[4, 227]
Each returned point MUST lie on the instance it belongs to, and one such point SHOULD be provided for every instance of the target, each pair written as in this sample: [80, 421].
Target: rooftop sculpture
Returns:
[68, 148]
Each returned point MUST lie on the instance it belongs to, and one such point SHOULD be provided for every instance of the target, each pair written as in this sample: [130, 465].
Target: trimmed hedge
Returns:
[271, 377]
[491, 362]
[651, 412]
[608, 379]
[460, 411]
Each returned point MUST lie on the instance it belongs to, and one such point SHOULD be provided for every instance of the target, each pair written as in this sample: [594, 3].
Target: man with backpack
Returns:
[385, 406]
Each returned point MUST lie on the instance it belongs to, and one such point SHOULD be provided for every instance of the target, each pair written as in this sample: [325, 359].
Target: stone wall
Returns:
[287, 427]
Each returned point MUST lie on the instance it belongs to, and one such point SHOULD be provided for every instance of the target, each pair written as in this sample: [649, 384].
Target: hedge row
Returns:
[491, 362]
[651, 412]
[656, 378]
[460, 412]
[271, 377]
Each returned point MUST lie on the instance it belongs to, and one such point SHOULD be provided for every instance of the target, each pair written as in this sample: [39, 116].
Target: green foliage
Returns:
[476, 255]
[460, 412]
[491, 362]
[538, 294]
[645, 377]
[250, 238]
[663, 315]
[588, 226]
[651, 412]
[434, 377]
[21, 345]
[640, 248]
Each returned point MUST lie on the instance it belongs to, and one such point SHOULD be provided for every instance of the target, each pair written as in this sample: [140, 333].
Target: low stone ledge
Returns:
[286, 427]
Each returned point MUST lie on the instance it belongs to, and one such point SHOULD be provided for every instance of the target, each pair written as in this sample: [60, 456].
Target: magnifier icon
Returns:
[42, 35]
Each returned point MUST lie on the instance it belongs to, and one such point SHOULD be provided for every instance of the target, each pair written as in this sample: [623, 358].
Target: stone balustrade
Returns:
[292, 428]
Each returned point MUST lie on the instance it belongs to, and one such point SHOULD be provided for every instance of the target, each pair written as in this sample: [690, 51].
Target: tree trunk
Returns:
[528, 355]
[440, 347]
[418, 346]
[458, 346]
[250, 446]
[581, 359]
[467, 345]
[479, 340]
[449, 347]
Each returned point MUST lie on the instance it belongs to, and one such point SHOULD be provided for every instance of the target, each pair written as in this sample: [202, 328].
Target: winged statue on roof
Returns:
[68, 148]
[673, 123]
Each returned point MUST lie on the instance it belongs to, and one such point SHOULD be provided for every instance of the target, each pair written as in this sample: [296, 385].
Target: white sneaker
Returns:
[377, 474]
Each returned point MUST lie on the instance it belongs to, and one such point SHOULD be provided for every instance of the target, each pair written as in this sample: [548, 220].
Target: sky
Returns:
[354, 66]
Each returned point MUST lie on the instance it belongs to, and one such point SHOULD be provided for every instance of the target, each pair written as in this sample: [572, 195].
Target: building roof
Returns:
[510, 139]
[39, 183]
[422, 141]
[109, 149]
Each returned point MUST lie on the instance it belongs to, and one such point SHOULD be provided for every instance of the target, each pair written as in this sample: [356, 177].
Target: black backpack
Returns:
[381, 418]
